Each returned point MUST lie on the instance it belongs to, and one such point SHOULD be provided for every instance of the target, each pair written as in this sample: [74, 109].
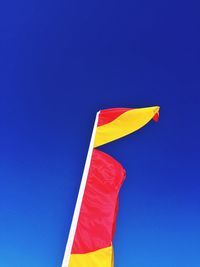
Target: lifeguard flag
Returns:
[94, 227]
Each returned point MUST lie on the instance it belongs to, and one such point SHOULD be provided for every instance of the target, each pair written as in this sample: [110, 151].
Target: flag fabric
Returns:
[118, 122]
[94, 234]
[92, 244]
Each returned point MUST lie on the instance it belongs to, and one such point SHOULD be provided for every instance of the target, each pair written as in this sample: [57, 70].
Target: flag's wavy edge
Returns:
[96, 224]
[125, 122]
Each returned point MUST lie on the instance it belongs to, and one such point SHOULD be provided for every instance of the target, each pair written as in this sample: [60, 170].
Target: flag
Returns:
[93, 225]
[118, 122]
[92, 245]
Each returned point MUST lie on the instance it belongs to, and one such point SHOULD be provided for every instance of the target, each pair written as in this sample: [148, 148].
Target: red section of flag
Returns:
[108, 115]
[96, 224]
[156, 117]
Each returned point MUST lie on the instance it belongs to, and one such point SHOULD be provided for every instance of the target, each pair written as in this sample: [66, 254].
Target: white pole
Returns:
[72, 231]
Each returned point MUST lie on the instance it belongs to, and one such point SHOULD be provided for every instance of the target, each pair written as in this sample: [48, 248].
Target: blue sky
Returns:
[61, 61]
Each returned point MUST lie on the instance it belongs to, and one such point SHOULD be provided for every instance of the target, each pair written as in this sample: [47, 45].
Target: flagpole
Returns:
[74, 223]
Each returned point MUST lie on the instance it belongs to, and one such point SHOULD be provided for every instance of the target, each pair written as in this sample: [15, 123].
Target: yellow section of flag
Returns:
[128, 122]
[99, 258]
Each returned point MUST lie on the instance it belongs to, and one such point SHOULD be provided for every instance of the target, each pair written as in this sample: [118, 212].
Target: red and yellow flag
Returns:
[92, 243]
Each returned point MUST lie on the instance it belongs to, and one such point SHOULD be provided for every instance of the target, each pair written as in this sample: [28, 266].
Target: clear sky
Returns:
[60, 62]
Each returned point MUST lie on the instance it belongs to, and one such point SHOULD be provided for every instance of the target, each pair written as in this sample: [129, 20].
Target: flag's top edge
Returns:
[109, 115]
